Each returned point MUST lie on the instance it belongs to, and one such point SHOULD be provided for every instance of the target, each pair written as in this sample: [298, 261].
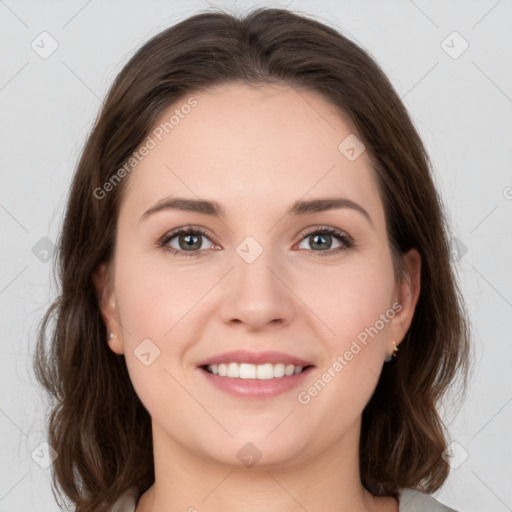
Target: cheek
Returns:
[160, 304]
[155, 297]
[357, 305]
[350, 298]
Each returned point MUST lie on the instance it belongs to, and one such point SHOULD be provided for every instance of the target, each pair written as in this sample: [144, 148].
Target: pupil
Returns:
[191, 242]
[325, 238]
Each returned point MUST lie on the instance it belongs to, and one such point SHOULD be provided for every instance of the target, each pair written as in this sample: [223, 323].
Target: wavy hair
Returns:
[97, 424]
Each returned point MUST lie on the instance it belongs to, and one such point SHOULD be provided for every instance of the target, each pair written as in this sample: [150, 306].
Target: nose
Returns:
[256, 293]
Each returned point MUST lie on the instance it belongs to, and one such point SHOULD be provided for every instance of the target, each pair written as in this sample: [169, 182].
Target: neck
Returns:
[330, 481]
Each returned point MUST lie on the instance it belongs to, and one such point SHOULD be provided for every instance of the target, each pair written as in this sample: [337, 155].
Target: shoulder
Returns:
[126, 503]
[412, 500]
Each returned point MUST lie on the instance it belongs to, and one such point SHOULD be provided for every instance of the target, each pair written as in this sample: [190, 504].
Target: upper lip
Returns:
[245, 356]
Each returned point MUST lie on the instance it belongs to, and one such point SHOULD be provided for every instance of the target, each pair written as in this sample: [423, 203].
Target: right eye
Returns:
[189, 241]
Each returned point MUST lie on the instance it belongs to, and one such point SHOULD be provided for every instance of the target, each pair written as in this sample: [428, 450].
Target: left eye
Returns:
[322, 239]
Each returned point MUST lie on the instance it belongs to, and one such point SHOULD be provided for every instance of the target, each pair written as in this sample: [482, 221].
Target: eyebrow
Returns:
[214, 209]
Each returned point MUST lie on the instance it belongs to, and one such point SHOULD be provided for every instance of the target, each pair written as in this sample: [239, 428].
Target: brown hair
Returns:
[98, 426]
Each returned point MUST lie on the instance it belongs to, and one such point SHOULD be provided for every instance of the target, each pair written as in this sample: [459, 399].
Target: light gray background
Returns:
[461, 106]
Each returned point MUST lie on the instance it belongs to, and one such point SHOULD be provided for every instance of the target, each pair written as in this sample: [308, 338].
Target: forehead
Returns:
[248, 147]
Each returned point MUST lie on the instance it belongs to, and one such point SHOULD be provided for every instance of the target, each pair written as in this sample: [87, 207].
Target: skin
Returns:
[254, 150]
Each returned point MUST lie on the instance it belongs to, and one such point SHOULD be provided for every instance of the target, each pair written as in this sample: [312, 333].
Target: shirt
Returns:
[410, 500]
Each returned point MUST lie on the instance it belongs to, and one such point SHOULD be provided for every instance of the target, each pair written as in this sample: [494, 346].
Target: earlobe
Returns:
[115, 343]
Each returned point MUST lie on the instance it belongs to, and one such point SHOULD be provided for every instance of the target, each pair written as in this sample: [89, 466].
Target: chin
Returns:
[257, 451]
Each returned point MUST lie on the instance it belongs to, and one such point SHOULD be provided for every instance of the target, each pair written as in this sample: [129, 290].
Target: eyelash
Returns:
[346, 240]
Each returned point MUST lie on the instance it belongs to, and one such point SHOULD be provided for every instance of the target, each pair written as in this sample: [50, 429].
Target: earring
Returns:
[393, 354]
[112, 336]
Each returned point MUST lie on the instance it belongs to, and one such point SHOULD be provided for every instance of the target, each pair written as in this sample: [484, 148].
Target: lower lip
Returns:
[256, 388]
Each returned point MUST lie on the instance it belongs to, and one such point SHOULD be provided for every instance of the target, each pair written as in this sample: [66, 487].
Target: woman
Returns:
[257, 306]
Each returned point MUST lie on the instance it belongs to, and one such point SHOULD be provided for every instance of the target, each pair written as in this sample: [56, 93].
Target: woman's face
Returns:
[265, 283]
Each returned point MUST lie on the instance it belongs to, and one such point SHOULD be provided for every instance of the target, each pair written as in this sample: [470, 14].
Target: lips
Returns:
[254, 358]
[255, 374]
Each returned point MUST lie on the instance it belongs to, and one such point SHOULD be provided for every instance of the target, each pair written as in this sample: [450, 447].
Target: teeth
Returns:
[245, 371]
[252, 371]
[289, 370]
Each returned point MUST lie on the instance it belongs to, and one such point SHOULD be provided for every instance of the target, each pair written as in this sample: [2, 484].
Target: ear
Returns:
[406, 297]
[106, 300]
